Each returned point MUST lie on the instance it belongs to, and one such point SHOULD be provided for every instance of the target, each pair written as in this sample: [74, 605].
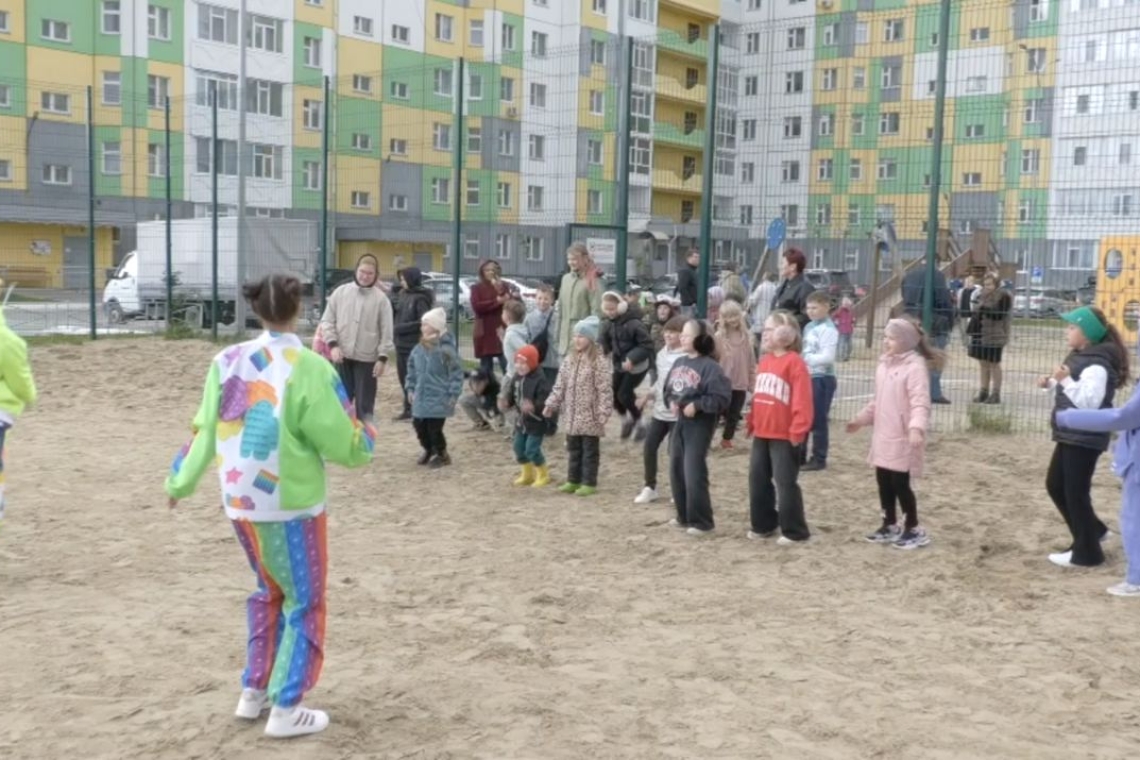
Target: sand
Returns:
[472, 620]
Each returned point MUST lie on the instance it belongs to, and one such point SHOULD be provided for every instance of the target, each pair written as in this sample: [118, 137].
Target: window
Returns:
[642, 9]
[790, 214]
[748, 130]
[598, 52]
[537, 148]
[226, 151]
[266, 33]
[793, 126]
[754, 5]
[538, 44]
[751, 86]
[1125, 154]
[1035, 60]
[217, 24]
[397, 202]
[862, 33]
[441, 136]
[855, 171]
[503, 194]
[746, 215]
[593, 201]
[639, 155]
[538, 95]
[826, 170]
[979, 34]
[506, 142]
[507, 90]
[1122, 205]
[112, 89]
[597, 102]
[361, 83]
[55, 102]
[688, 167]
[831, 34]
[212, 86]
[594, 152]
[56, 174]
[747, 173]
[475, 140]
[157, 22]
[157, 90]
[687, 209]
[1134, 100]
[858, 124]
[471, 248]
[859, 78]
[362, 25]
[889, 123]
[972, 179]
[534, 197]
[975, 130]
[443, 27]
[1025, 212]
[311, 116]
[534, 248]
[401, 34]
[503, 246]
[934, 39]
[830, 79]
[400, 90]
[976, 84]
[796, 38]
[398, 147]
[56, 31]
[312, 52]
[893, 30]
[267, 161]
[1038, 10]
[508, 37]
[1032, 113]
[113, 157]
[475, 32]
[440, 190]
[888, 169]
[4, 27]
[826, 126]
[361, 141]
[1080, 155]
[1083, 102]
[316, 3]
[599, 7]
[474, 194]
[794, 82]
[891, 77]
[854, 214]
[441, 82]
[112, 17]
[264, 97]
[790, 171]
[155, 160]
[752, 42]
[1030, 161]
[823, 214]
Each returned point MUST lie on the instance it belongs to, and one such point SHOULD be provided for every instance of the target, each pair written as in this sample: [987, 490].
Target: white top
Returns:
[1089, 391]
[665, 360]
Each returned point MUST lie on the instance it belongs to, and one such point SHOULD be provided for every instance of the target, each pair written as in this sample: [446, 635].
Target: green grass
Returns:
[994, 420]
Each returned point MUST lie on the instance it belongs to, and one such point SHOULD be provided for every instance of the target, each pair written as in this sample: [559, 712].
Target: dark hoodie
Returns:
[1107, 355]
[412, 303]
[698, 380]
[625, 337]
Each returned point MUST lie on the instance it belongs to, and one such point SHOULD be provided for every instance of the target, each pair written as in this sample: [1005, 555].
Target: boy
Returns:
[821, 341]
[17, 388]
[542, 330]
[479, 401]
[514, 338]
[526, 392]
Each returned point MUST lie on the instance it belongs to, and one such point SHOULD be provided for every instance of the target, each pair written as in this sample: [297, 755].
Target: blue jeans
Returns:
[844, 347]
[528, 449]
[822, 394]
[940, 342]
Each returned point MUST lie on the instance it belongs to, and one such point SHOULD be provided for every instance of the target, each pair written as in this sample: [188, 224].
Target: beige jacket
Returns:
[359, 322]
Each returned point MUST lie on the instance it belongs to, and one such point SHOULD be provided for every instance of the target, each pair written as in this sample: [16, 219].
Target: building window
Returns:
[891, 77]
[217, 24]
[639, 152]
[508, 37]
[155, 160]
[790, 171]
[976, 84]
[311, 113]
[440, 191]
[398, 147]
[113, 157]
[980, 34]
[264, 97]
[597, 102]
[506, 142]
[831, 35]
[594, 152]
[751, 86]
[1030, 161]
[400, 91]
[312, 52]
[1125, 154]
[362, 25]
[746, 215]
[1025, 212]
[441, 136]
[401, 34]
[503, 245]
[4, 26]
[1122, 205]
[534, 197]
[1035, 60]
[471, 248]
[826, 127]
[793, 126]
[537, 95]
[858, 124]
[687, 210]
[747, 173]
[854, 214]
[752, 42]
[361, 141]
[829, 80]
[888, 169]
[213, 87]
[855, 171]
[1038, 10]
[534, 248]
[507, 90]
[1080, 155]
[56, 174]
[597, 52]
[893, 30]
[56, 31]
[598, 7]
[790, 214]
[862, 33]
[594, 202]
[797, 37]
[226, 151]
[361, 83]
[859, 78]
[266, 33]
[889, 123]
[311, 175]
[826, 170]
[503, 194]
[538, 42]
[55, 102]
[644, 10]
[1032, 111]
[475, 32]
[397, 202]
[112, 89]
[823, 215]
[975, 130]
[442, 84]
[474, 192]
[112, 17]
[537, 148]
[793, 82]
[972, 179]
[158, 22]
[475, 140]
[443, 27]
[267, 161]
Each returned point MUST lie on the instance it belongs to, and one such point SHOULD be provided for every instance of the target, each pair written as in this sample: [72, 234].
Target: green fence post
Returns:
[214, 160]
[324, 246]
[169, 221]
[936, 167]
[457, 173]
[91, 212]
[708, 165]
[625, 122]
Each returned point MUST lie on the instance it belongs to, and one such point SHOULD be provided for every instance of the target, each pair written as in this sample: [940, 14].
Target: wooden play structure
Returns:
[1118, 283]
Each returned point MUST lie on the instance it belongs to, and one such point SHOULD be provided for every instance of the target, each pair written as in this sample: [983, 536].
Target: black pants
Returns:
[732, 415]
[430, 432]
[402, 357]
[585, 454]
[654, 435]
[360, 385]
[487, 364]
[773, 479]
[1069, 481]
[551, 374]
[689, 470]
[625, 393]
[895, 490]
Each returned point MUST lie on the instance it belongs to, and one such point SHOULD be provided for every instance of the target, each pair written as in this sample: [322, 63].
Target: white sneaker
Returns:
[754, 536]
[675, 523]
[287, 722]
[1062, 559]
[1108, 534]
[785, 541]
[252, 704]
[646, 496]
[1124, 588]
[698, 532]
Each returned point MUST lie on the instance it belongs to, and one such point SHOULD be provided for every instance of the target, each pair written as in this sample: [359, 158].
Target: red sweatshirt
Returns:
[781, 399]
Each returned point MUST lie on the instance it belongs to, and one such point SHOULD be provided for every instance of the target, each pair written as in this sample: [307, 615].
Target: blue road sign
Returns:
[776, 232]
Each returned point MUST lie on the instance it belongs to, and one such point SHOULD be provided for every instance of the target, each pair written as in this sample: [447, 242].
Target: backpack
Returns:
[541, 342]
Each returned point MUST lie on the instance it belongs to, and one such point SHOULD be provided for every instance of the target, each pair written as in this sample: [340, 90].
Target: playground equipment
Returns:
[1118, 283]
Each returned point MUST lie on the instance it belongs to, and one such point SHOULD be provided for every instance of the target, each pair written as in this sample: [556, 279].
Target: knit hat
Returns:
[905, 333]
[528, 354]
[589, 328]
[1087, 320]
[436, 319]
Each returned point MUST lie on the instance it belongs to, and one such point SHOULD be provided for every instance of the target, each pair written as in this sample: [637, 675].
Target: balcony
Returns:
[669, 181]
[671, 134]
[678, 42]
[670, 88]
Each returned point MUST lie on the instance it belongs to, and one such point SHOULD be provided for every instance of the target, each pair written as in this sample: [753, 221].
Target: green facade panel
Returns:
[302, 196]
[14, 75]
[358, 116]
[984, 111]
[172, 50]
[926, 23]
[80, 17]
[304, 74]
[485, 209]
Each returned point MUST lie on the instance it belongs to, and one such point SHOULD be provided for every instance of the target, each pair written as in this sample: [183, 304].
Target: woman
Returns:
[412, 303]
[989, 333]
[579, 295]
[487, 298]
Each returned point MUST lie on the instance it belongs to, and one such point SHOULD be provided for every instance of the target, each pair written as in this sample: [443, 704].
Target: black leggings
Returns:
[487, 364]
[585, 456]
[402, 373]
[895, 487]
[1069, 482]
[655, 434]
[625, 392]
[732, 416]
[429, 431]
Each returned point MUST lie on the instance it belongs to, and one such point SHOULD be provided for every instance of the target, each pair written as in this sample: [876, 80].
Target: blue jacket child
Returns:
[434, 382]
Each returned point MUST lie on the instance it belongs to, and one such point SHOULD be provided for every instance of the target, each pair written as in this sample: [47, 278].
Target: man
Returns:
[791, 295]
[688, 283]
[357, 325]
[760, 305]
[579, 295]
[942, 320]
[414, 300]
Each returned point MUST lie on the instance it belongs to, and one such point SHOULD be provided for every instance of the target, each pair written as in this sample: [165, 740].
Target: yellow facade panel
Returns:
[174, 74]
[71, 73]
[17, 21]
[391, 256]
[358, 57]
[13, 149]
[17, 241]
[456, 46]
[357, 174]
[318, 12]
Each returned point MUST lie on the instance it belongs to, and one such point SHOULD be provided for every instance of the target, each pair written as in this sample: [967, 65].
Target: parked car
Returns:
[834, 282]
[444, 296]
[1042, 302]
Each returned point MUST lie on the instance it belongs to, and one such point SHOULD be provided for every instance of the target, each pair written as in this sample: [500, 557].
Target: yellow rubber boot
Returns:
[526, 476]
[541, 476]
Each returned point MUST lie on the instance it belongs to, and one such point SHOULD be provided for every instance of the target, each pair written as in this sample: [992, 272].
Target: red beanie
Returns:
[528, 354]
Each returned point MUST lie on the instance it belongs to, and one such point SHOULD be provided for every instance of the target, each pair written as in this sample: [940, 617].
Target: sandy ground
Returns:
[472, 620]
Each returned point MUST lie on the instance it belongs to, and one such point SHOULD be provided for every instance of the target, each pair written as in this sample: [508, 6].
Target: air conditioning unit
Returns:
[512, 112]
[826, 3]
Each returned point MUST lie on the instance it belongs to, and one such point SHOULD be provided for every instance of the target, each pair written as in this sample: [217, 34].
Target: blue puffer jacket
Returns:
[435, 379]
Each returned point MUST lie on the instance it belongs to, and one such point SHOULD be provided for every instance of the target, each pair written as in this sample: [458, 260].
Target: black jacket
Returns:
[626, 337]
[687, 285]
[1105, 355]
[914, 300]
[412, 303]
[533, 387]
[792, 296]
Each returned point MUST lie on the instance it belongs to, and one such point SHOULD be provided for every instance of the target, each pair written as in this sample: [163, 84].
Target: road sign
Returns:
[1037, 275]
[602, 250]
[776, 232]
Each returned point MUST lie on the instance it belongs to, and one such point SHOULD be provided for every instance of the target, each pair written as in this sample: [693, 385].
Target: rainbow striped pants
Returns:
[286, 615]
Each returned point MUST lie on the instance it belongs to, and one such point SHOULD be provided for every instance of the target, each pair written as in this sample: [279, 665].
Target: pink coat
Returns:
[901, 404]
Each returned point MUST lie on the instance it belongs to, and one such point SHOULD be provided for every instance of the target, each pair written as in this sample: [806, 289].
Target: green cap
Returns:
[1089, 323]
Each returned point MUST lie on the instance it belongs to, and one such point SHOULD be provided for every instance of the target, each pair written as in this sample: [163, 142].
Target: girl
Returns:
[435, 380]
[989, 332]
[844, 319]
[698, 392]
[271, 414]
[738, 360]
[487, 298]
[661, 424]
[584, 392]
[17, 388]
[1096, 366]
[526, 392]
[663, 311]
[779, 421]
[900, 414]
[626, 340]
[715, 299]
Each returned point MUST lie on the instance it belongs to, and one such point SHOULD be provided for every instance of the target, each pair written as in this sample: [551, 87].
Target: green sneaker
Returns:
[569, 487]
[586, 491]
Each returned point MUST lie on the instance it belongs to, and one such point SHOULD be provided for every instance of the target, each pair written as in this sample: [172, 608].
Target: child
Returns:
[845, 322]
[738, 360]
[821, 341]
[480, 401]
[663, 311]
[271, 414]
[626, 340]
[715, 299]
[542, 331]
[584, 393]
[17, 388]
[661, 424]
[698, 392]
[779, 421]
[899, 414]
[514, 338]
[1096, 366]
[526, 392]
[1126, 459]
[435, 379]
